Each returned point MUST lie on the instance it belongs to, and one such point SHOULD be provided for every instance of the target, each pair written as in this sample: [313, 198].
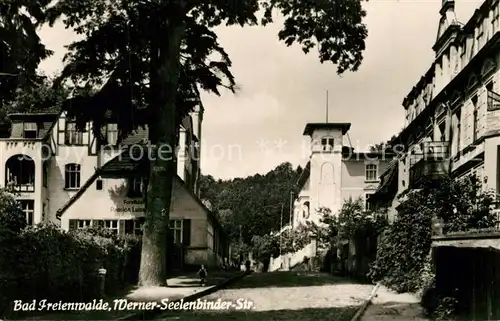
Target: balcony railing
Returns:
[432, 162]
[21, 187]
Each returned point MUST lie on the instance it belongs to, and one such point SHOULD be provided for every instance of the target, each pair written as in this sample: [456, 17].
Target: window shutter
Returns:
[121, 227]
[73, 225]
[129, 226]
[186, 232]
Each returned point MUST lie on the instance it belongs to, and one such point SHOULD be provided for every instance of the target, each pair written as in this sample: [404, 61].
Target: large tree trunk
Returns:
[162, 125]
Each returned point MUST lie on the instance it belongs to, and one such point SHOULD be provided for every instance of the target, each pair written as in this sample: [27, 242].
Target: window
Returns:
[111, 225]
[327, 143]
[138, 226]
[176, 229]
[368, 201]
[20, 173]
[30, 130]
[44, 211]
[489, 86]
[72, 136]
[45, 176]
[306, 210]
[84, 224]
[371, 174]
[135, 187]
[98, 184]
[480, 34]
[28, 207]
[442, 131]
[475, 133]
[112, 134]
[72, 176]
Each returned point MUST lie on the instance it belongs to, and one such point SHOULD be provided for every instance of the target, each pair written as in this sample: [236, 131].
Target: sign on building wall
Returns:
[129, 206]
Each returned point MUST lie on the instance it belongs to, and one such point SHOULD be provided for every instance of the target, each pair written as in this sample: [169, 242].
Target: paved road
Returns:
[300, 296]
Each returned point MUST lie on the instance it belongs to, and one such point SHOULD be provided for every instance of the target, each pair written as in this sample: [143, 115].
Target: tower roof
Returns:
[310, 127]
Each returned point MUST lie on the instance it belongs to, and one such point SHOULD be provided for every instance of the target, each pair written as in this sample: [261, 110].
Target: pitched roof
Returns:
[129, 161]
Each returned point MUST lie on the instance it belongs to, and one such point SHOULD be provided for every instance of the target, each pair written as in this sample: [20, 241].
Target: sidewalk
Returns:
[178, 287]
[389, 305]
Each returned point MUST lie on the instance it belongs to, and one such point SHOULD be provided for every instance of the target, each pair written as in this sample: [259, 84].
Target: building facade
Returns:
[71, 178]
[335, 173]
[452, 123]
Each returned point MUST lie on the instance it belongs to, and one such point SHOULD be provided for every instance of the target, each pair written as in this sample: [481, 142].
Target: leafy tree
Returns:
[42, 97]
[253, 203]
[264, 247]
[21, 50]
[383, 146]
[149, 58]
[12, 218]
[402, 255]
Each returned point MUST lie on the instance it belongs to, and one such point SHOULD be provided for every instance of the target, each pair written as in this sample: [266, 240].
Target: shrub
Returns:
[56, 265]
[402, 261]
[12, 218]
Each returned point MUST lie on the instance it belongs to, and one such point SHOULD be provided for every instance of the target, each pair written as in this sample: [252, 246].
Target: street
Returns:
[301, 296]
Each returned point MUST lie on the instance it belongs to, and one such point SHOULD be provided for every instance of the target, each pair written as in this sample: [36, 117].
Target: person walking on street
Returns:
[202, 273]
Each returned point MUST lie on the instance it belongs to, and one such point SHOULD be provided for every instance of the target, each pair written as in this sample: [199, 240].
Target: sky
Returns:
[282, 89]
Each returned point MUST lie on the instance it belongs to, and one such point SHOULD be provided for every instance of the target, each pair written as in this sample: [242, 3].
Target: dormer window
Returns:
[327, 143]
[30, 130]
[72, 135]
[112, 134]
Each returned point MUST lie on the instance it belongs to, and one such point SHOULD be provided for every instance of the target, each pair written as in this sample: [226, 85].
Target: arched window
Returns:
[20, 173]
[72, 176]
[306, 210]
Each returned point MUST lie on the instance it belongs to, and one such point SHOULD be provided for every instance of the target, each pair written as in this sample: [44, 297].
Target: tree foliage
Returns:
[144, 63]
[42, 97]
[351, 220]
[12, 218]
[402, 255]
[252, 204]
[21, 49]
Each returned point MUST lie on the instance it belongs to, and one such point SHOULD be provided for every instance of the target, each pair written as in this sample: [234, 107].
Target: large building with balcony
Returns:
[453, 112]
[334, 173]
[74, 179]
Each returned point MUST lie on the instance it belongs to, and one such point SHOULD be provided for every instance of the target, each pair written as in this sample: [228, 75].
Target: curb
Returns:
[148, 315]
[365, 305]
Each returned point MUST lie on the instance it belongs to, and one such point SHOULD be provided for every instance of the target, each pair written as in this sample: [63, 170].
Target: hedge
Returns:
[45, 262]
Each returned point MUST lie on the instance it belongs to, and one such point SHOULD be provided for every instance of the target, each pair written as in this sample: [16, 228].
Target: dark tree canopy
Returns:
[254, 202]
[113, 56]
[21, 50]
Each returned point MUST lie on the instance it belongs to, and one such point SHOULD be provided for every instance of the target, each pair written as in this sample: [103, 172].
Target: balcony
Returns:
[433, 162]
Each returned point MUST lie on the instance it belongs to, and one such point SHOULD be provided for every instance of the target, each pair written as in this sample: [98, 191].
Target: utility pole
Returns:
[281, 225]
[291, 209]
[241, 246]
